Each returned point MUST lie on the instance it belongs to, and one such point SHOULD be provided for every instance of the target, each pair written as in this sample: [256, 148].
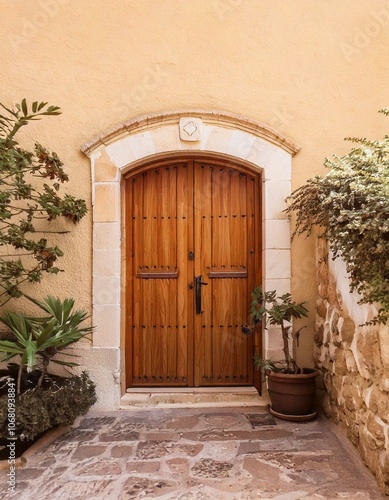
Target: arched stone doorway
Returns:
[127, 148]
[193, 256]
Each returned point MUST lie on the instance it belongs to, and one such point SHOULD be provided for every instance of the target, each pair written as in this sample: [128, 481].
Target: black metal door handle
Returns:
[199, 283]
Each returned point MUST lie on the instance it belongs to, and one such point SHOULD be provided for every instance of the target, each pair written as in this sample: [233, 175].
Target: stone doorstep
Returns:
[195, 390]
[194, 398]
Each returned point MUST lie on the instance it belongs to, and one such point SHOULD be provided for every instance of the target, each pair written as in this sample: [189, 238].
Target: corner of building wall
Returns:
[103, 366]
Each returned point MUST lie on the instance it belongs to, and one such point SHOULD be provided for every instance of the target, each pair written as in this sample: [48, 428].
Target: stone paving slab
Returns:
[194, 454]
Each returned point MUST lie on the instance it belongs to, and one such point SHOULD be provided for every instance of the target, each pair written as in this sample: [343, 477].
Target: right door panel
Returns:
[227, 230]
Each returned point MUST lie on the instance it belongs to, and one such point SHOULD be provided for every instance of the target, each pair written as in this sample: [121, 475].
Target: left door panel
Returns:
[159, 239]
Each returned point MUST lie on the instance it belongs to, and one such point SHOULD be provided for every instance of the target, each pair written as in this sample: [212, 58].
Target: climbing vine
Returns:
[351, 205]
[30, 182]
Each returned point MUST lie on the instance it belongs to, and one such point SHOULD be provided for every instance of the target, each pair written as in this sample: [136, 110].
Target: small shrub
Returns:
[71, 400]
[42, 408]
[32, 417]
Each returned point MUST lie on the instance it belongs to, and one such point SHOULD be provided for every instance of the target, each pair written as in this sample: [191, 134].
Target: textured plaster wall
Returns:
[354, 361]
[315, 71]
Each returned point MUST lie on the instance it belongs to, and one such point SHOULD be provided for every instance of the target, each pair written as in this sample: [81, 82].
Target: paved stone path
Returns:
[194, 454]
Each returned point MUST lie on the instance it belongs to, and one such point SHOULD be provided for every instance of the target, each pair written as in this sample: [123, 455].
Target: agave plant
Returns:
[39, 339]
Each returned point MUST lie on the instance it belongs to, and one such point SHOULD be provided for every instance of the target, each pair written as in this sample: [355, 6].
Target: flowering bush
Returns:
[351, 204]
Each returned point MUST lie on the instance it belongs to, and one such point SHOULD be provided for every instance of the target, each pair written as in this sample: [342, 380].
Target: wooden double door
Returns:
[193, 257]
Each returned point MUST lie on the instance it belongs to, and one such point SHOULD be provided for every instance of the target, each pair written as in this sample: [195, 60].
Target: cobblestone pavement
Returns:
[194, 454]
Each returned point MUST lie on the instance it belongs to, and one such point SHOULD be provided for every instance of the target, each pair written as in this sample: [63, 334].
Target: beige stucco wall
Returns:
[315, 71]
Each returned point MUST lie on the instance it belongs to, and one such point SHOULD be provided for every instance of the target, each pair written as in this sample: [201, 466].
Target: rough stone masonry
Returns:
[354, 361]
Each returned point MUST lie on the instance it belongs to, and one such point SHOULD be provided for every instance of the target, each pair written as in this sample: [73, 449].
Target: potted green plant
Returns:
[42, 400]
[291, 388]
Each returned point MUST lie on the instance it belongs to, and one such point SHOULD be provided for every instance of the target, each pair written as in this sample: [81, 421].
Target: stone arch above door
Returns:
[156, 136]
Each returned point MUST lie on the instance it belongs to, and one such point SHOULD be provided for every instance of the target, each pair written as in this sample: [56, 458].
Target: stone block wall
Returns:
[354, 361]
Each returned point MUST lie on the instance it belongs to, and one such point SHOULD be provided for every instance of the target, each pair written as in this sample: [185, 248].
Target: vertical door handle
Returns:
[199, 284]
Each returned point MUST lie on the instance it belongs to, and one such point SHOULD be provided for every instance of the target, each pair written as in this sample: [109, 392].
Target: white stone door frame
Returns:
[150, 137]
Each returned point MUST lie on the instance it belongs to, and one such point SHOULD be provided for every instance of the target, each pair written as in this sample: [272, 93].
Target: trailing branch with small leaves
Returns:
[29, 192]
[351, 205]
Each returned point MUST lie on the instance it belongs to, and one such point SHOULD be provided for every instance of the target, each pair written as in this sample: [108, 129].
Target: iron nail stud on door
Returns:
[199, 283]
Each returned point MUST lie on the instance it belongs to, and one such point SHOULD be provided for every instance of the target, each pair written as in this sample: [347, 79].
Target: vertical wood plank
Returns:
[203, 256]
[185, 293]
[137, 243]
[257, 275]
[129, 309]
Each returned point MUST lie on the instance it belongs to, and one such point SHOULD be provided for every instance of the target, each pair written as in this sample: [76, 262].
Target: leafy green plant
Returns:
[351, 205]
[29, 186]
[42, 338]
[40, 409]
[276, 310]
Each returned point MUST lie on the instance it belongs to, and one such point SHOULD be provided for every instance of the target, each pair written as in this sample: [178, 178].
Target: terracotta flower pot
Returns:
[292, 396]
